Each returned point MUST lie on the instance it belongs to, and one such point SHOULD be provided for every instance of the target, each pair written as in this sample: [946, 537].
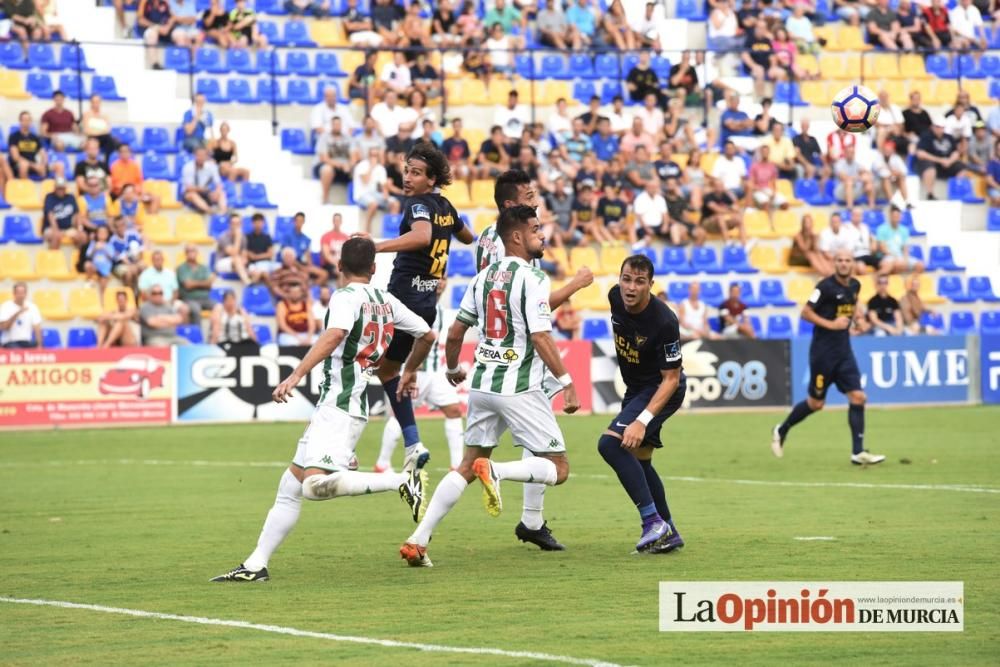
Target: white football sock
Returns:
[534, 500]
[454, 433]
[350, 483]
[279, 523]
[534, 469]
[391, 434]
[447, 493]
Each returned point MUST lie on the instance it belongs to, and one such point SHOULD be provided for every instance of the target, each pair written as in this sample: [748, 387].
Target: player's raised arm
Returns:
[423, 340]
[583, 278]
[463, 233]
[538, 318]
[417, 238]
[320, 351]
[456, 335]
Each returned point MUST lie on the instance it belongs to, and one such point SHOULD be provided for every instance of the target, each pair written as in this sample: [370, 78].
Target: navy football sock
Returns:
[798, 413]
[655, 485]
[403, 410]
[856, 418]
[630, 474]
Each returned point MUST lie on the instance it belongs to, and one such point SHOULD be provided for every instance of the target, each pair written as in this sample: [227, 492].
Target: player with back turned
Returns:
[831, 360]
[428, 224]
[648, 346]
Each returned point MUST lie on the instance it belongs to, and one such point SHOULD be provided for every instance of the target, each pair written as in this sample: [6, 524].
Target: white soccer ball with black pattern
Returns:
[855, 109]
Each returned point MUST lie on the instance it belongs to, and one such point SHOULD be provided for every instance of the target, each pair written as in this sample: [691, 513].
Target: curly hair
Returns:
[437, 164]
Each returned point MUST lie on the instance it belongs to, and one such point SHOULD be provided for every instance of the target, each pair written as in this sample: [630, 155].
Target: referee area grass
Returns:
[142, 518]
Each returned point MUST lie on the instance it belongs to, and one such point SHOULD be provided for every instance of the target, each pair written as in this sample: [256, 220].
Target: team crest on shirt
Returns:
[420, 211]
[640, 341]
[672, 351]
[544, 310]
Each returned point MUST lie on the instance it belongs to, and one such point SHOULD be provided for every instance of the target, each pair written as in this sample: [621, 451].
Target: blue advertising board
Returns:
[898, 369]
[989, 347]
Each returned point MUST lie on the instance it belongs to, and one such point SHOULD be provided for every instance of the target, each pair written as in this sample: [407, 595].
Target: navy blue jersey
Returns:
[831, 300]
[415, 273]
[646, 343]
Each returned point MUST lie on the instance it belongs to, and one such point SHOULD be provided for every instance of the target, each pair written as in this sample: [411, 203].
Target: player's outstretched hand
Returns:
[284, 390]
[570, 401]
[584, 277]
[456, 378]
[634, 434]
[841, 323]
[407, 385]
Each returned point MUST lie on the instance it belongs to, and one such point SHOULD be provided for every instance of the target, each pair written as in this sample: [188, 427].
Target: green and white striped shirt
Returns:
[508, 301]
[489, 248]
[435, 357]
[370, 316]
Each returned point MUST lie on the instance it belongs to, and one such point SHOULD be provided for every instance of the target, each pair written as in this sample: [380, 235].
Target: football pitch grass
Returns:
[142, 518]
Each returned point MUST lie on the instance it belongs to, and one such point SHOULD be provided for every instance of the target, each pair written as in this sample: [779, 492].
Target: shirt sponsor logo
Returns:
[422, 285]
[496, 355]
[672, 351]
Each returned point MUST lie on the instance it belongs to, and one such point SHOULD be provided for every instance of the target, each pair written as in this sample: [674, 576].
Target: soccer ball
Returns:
[855, 109]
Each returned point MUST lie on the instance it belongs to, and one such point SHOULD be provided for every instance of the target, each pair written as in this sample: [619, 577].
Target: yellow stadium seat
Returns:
[911, 67]
[922, 86]
[978, 92]
[165, 190]
[766, 259]
[867, 288]
[482, 193]
[680, 159]
[350, 60]
[883, 65]
[497, 93]
[157, 230]
[786, 190]
[592, 297]
[831, 66]
[582, 256]
[23, 193]
[111, 296]
[454, 89]
[814, 92]
[15, 264]
[561, 257]
[851, 39]
[51, 304]
[758, 225]
[84, 302]
[827, 32]
[12, 85]
[808, 63]
[898, 92]
[191, 229]
[52, 264]
[928, 292]
[47, 186]
[786, 223]
[944, 93]
[708, 161]
[820, 221]
[327, 34]
[482, 221]
[784, 254]
[475, 137]
[612, 258]
[458, 195]
[799, 289]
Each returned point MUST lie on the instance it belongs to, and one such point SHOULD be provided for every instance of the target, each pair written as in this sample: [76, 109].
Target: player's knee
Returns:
[815, 404]
[609, 444]
[857, 398]
[562, 469]
[322, 487]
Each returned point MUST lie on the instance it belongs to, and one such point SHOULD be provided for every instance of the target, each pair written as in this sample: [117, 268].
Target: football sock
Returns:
[447, 493]
[629, 473]
[533, 469]
[534, 500]
[798, 413]
[403, 409]
[454, 433]
[353, 483]
[656, 489]
[280, 521]
[856, 418]
[390, 437]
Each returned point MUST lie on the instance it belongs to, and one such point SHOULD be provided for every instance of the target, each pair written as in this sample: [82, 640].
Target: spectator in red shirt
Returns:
[937, 24]
[330, 245]
[731, 314]
[59, 123]
[762, 183]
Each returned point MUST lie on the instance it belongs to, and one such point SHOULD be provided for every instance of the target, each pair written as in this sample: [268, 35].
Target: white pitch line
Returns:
[815, 538]
[295, 632]
[962, 488]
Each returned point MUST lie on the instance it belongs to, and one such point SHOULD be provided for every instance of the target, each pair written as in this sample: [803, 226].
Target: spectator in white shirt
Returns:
[620, 119]
[396, 75]
[560, 123]
[731, 170]
[389, 115]
[967, 22]
[959, 123]
[512, 118]
[371, 186]
[651, 115]
[160, 276]
[890, 171]
[650, 210]
[202, 184]
[20, 320]
[837, 237]
[328, 109]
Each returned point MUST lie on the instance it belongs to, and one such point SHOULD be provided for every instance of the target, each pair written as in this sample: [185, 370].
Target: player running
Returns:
[514, 188]
[434, 391]
[429, 222]
[831, 360]
[360, 323]
[648, 345]
[509, 302]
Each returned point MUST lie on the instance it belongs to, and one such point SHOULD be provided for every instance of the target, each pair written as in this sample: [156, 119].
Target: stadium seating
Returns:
[993, 220]
[675, 261]
[734, 260]
[51, 264]
[980, 289]
[15, 263]
[772, 293]
[191, 333]
[19, 229]
[805, 328]
[84, 303]
[462, 263]
[962, 323]
[52, 304]
[596, 329]
[950, 287]
[263, 332]
[941, 259]
[677, 290]
[257, 300]
[989, 323]
[779, 326]
[81, 337]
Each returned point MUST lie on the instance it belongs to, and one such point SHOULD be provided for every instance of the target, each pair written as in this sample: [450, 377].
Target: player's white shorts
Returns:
[330, 439]
[434, 391]
[528, 416]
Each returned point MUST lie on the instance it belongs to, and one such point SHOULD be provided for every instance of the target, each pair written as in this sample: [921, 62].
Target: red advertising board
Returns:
[72, 388]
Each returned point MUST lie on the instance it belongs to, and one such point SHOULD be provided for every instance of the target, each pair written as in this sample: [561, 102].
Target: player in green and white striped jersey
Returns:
[515, 188]
[509, 302]
[360, 323]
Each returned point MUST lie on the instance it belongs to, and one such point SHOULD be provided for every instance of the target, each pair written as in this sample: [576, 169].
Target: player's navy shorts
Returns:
[634, 403]
[402, 342]
[841, 370]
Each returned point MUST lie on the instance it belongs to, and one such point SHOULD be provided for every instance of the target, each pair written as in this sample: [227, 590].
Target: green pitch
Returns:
[126, 518]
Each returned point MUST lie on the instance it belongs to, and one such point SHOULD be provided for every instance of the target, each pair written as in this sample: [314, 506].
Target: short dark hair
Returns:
[357, 256]
[437, 164]
[512, 218]
[505, 189]
[640, 263]
[57, 92]
[257, 216]
[300, 214]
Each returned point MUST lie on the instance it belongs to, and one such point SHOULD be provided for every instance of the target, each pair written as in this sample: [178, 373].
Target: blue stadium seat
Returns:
[239, 61]
[12, 57]
[990, 64]
[73, 86]
[177, 59]
[328, 65]
[583, 91]
[772, 293]
[524, 65]
[715, 324]
[238, 90]
[967, 67]
[218, 225]
[981, 289]
[629, 62]
[283, 225]
[158, 139]
[705, 260]
[268, 62]
[297, 63]
[457, 294]
[191, 333]
[675, 261]
[995, 88]
[106, 88]
[295, 140]
[216, 294]
[462, 263]
[779, 326]
[658, 266]
[734, 259]
[692, 10]
[989, 323]
[269, 92]
[961, 323]
[71, 56]
[270, 30]
[255, 196]
[156, 167]
[233, 197]
[874, 218]
[940, 66]
[950, 287]
[661, 66]
[257, 300]
[211, 89]
[941, 259]
[323, 84]
[39, 85]
[297, 34]
[907, 221]
[299, 92]
[758, 327]
[42, 56]
[264, 335]
[606, 67]
[807, 189]
[555, 67]
[276, 8]
[960, 189]
[747, 294]
[18, 229]
[581, 66]
[51, 338]
[596, 328]
[786, 92]
[993, 220]
[610, 90]
[805, 327]
[917, 253]
[207, 59]
[81, 338]
[678, 290]
[932, 320]
[711, 293]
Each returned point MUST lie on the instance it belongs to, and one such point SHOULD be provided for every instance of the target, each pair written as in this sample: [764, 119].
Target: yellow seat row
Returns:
[190, 229]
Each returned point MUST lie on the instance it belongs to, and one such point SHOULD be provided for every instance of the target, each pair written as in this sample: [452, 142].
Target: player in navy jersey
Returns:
[648, 345]
[429, 222]
[831, 361]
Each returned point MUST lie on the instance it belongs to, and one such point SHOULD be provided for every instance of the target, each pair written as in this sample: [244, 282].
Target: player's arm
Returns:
[583, 278]
[538, 318]
[810, 315]
[635, 432]
[549, 353]
[463, 233]
[328, 341]
[467, 317]
[418, 238]
[423, 340]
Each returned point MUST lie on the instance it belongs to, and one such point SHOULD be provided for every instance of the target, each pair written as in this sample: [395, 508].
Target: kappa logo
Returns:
[327, 460]
[554, 444]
